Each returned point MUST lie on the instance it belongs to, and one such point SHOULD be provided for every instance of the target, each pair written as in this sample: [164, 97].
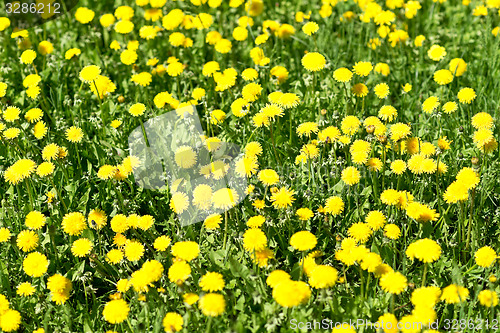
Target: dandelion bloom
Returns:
[483, 137]
[161, 243]
[74, 134]
[106, 172]
[4, 234]
[381, 90]
[430, 104]
[458, 66]
[342, 75]
[212, 222]
[351, 176]
[393, 283]
[400, 131]
[268, 177]
[453, 294]
[225, 198]
[211, 282]
[10, 320]
[420, 212]
[116, 311]
[186, 250]
[84, 15]
[114, 256]
[3, 89]
[360, 231]
[310, 28]
[276, 277]
[179, 272]
[134, 250]
[468, 177]
[290, 293]
[74, 223]
[313, 61]
[81, 247]
[323, 276]
[350, 125]
[436, 52]
[25, 289]
[254, 239]
[362, 68]
[11, 114]
[425, 250]
[28, 56]
[466, 95]
[304, 214]
[190, 298]
[143, 79]
[388, 322]
[455, 192]
[27, 240]
[35, 264]
[172, 322]
[482, 120]
[60, 288]
[89, 73]
[443, 77]
[137, 109]
[35, 220]
[485, 256]
[124, 27]
[128, 57]
[212, 305]
[303, 241]
[488, 298]
[392, 231]
[97, 219]
[334, 205]
[256, 221]
[449, 107]
[282, 198]
[19, 171]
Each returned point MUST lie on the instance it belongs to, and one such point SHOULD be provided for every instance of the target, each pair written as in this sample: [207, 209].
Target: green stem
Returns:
[120, 197]
[209, 325]
[59, 195]
[302, 266]
[225, 230]
[361, 284]
[469, 226]
[32, 205]
[424, 275]
[274, 144]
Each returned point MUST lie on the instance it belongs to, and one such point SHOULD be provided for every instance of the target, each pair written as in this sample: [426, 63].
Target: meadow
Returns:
[330, 162]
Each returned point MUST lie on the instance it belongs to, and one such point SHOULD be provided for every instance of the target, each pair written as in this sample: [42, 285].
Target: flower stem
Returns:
[469, 226]
[424, 275]
[59, 195]
[225, 230]
[32, 205]
[209, 325]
